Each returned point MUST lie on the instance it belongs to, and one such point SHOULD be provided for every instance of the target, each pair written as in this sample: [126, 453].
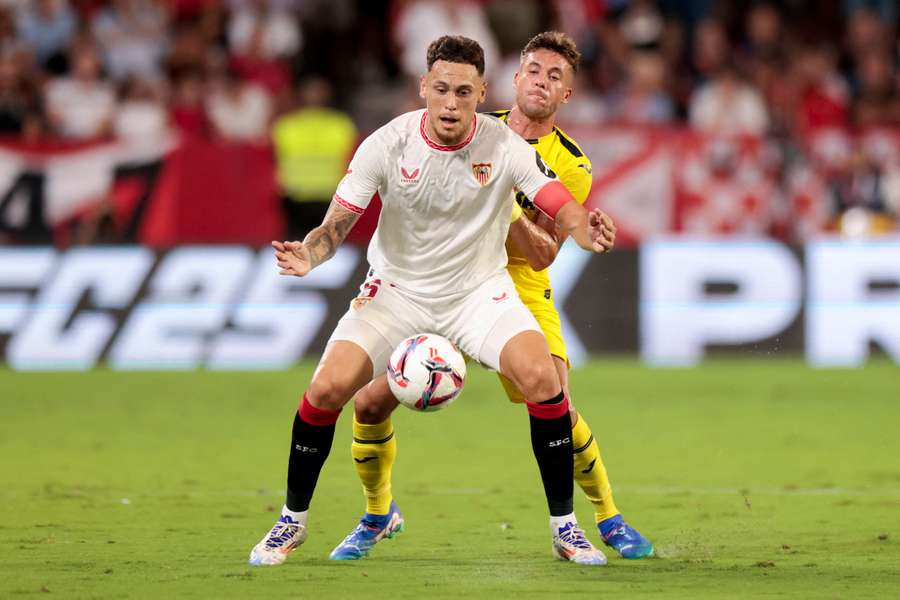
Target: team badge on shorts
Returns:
[482, 172]
[360, 302]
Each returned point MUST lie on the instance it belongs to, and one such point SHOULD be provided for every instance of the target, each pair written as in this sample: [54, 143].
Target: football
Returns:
[426, 372]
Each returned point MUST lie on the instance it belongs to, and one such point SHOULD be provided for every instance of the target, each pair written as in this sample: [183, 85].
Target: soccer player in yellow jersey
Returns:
[543, 83]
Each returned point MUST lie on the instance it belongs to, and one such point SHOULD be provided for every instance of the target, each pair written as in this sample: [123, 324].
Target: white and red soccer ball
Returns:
[426, 372]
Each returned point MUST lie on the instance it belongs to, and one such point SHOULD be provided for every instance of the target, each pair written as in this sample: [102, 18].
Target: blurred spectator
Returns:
[643, 99]
[238, 111]
[586, 106]
[823, 96]
[423, 21]
[861, 197]
[190, 48]
[81, 105]
[886, 10]
[821, 83]
[257, 63]
[878, 99]
[726, 105]
[187, 111]
[46, 27]
[140, 115]
[514, 22]
[710, 49]
[866, 33]
[858, 185]
[133, 36]
[262, 27]
[642, 25]
[313, 145]
[9, 37]
[20, 104]
[764, 33]
[501, 89]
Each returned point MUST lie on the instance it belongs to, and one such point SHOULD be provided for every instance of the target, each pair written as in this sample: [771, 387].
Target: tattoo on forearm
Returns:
[323, 241]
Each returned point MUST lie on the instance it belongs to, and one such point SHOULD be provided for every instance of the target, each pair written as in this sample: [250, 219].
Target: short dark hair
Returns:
[555, 41]
[456, 49]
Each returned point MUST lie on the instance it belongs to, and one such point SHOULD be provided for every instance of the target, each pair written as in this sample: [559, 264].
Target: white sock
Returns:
[557, 522]
[300, 517]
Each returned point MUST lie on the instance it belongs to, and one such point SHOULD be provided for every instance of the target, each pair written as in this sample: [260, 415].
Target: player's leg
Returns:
[592, 478]
[393, 316]
[374, 450]
[344, 368]
[526, 361]
[494, 327]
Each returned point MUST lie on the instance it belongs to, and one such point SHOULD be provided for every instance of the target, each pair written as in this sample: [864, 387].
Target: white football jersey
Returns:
[445, 209]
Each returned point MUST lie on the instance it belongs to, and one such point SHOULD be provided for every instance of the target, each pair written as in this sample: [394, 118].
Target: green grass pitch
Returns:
[753, 478]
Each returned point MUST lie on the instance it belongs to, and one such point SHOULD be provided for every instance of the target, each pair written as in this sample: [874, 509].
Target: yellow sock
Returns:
[374, 450]
[590, 473]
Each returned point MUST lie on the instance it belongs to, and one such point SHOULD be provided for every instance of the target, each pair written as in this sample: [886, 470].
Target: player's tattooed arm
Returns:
[323, 241]
[538, 241]
[299, 258]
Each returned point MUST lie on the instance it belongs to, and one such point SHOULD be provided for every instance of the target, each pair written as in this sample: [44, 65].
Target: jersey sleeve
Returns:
[578, 179]
[530, 172]
[364, 175]
[535, 179]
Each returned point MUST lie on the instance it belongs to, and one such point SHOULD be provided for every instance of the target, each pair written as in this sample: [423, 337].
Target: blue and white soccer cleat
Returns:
[624, 539]
[570, 544]
[273, 549]
[370, 530]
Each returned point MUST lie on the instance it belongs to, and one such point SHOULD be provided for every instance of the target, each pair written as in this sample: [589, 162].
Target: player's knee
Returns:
[540, 382]
[369, 409]
[328, 393]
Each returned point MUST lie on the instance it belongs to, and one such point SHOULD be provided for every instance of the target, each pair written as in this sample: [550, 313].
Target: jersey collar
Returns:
[453, 148]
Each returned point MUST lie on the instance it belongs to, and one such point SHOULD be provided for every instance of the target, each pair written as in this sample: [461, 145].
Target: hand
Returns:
[602, 231]
[293, 258]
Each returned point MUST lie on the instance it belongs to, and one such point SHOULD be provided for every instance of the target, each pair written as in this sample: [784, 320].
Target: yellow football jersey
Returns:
[573, 168]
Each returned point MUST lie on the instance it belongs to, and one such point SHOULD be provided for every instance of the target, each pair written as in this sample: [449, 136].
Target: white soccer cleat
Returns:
[273, 549]
[570, 544]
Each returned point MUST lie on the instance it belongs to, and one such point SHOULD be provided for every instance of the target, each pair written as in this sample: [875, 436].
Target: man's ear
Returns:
[422, 87]
[567, 95]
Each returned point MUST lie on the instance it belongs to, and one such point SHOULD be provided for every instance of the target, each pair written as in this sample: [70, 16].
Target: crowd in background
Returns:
[231, 69]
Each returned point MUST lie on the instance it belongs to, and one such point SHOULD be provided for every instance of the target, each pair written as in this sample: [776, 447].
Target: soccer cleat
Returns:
[570, 544]
[370, 530]
[273, 549]
[624, 538]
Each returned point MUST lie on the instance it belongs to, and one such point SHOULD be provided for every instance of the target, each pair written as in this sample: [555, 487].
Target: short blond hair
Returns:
[555, 41]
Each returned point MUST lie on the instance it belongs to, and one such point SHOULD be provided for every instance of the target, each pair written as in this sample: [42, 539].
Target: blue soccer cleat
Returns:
[624, 539]
[370, 530]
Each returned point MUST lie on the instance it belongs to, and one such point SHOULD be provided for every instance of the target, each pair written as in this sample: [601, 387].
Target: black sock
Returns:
[310, 445]
[551, 440]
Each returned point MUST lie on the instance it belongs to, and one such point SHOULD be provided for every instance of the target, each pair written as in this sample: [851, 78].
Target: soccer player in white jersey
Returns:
[543, 84]
[438, 263]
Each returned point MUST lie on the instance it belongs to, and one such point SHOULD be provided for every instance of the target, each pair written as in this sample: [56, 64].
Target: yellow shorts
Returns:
[548, 318]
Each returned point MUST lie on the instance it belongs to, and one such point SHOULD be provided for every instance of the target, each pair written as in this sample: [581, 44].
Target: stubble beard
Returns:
[536, 113]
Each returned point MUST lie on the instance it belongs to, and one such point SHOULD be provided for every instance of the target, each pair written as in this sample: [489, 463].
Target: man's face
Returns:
[452, 91]
[543, 82]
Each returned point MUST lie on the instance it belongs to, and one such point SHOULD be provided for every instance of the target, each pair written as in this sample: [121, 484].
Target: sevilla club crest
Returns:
[482, 172]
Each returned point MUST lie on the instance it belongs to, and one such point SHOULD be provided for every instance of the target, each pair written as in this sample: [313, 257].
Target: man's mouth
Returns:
[449, 120]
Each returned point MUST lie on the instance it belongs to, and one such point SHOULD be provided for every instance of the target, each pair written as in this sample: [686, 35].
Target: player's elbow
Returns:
[542, 260]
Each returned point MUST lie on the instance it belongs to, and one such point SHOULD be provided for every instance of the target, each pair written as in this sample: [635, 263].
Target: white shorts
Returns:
[480, 322]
